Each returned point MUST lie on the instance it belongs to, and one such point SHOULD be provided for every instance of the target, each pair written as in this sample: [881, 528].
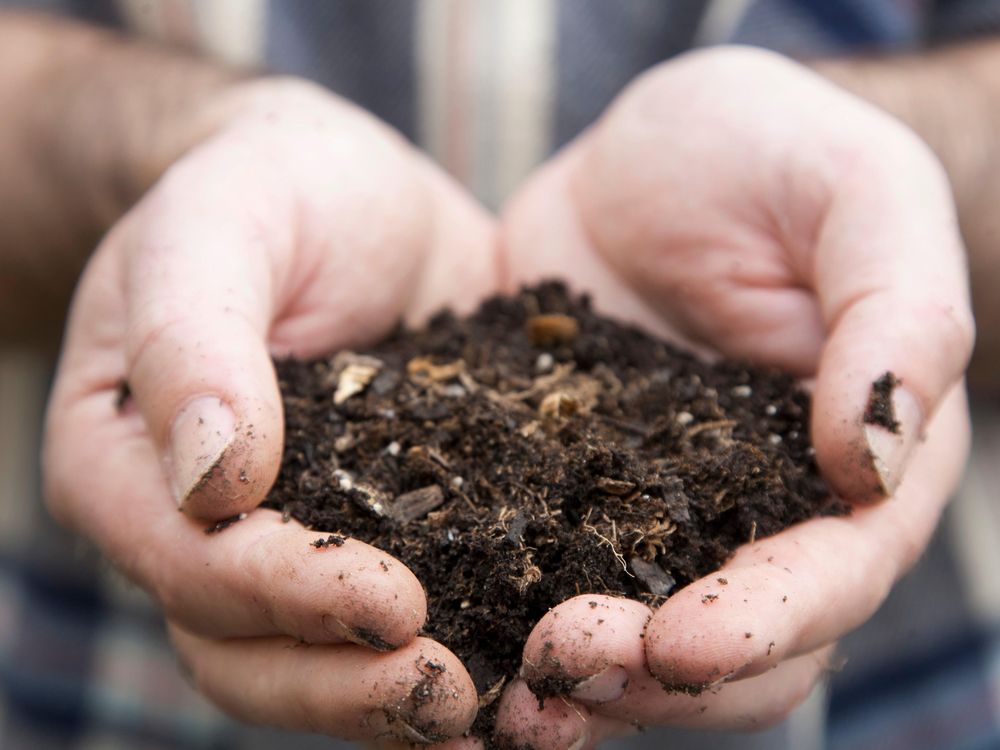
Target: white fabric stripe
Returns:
[525, 78]
[720, 21]
[487, 37]
[975, 518]
[431, 50]
[233, 31]
[502, 85]
[805, 725]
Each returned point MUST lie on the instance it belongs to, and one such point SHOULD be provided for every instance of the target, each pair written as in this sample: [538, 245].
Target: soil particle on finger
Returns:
[331, 540]
[123, 396]
[536, 451]
[880, 410]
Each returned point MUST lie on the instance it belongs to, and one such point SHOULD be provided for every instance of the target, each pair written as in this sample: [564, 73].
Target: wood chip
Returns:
[423, 370]
[615, 486]
[551, 329]
[369, 498]
[353, 372]
[416, 504]
[656, 579]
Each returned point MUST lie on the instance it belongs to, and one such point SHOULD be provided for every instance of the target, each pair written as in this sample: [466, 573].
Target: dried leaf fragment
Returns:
[559, 404]
[492, 694]
[576, 395]
[551, 329]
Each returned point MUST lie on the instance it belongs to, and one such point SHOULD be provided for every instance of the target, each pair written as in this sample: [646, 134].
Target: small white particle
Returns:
[684, 418]
[545, 362]
[344, 479]
[453, 390]
[742, 391]
[393, 448]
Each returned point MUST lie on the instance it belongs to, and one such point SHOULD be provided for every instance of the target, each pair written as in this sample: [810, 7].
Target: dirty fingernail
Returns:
[361, 636]
[892, 425]
[200, 435]
[607, 685]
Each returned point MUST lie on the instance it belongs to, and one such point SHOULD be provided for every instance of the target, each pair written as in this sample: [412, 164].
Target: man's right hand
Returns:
[300, 226]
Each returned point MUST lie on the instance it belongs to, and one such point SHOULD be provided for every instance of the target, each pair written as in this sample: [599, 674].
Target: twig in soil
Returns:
[625, 426]
[715, 424]
[604, 540]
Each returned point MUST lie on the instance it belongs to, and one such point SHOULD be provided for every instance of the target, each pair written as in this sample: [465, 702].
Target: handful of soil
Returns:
[535, 451]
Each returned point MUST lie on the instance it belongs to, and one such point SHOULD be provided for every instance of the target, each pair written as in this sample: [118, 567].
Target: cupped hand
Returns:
[736, 202]
[300, 226]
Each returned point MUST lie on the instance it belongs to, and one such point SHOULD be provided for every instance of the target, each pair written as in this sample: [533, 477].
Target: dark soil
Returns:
[536, 451]
[879, 410]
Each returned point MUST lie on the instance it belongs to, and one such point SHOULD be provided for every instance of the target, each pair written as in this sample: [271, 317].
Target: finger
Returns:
[200, 292]
[589, 648]
[810, 584]
[561, 724]
[419, 694]
[259, 576]
[749, 705]
[594, 649]
[891, 279]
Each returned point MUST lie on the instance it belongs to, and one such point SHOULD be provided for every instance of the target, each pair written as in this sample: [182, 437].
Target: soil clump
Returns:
[536, 451]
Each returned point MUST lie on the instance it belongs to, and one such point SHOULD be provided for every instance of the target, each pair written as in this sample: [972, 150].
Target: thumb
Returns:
[891, 280]
[199, 288]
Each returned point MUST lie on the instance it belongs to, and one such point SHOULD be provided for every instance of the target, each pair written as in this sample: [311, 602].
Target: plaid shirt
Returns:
[489, 89]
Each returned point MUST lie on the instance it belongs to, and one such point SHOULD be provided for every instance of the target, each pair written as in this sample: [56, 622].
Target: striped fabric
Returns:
[489, 88]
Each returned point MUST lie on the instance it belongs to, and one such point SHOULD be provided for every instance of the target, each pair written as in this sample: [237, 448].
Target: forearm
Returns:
[89, 122]
[951, 98]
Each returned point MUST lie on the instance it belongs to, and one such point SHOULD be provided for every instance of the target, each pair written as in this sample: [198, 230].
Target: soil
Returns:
[879, 410]
[536, 451]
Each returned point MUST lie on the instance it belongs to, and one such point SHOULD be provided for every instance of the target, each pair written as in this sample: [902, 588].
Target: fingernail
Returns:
[579, 742]
[890, 445]
[607, 685]
[200, 435]
[361, 636]
[384, 722]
